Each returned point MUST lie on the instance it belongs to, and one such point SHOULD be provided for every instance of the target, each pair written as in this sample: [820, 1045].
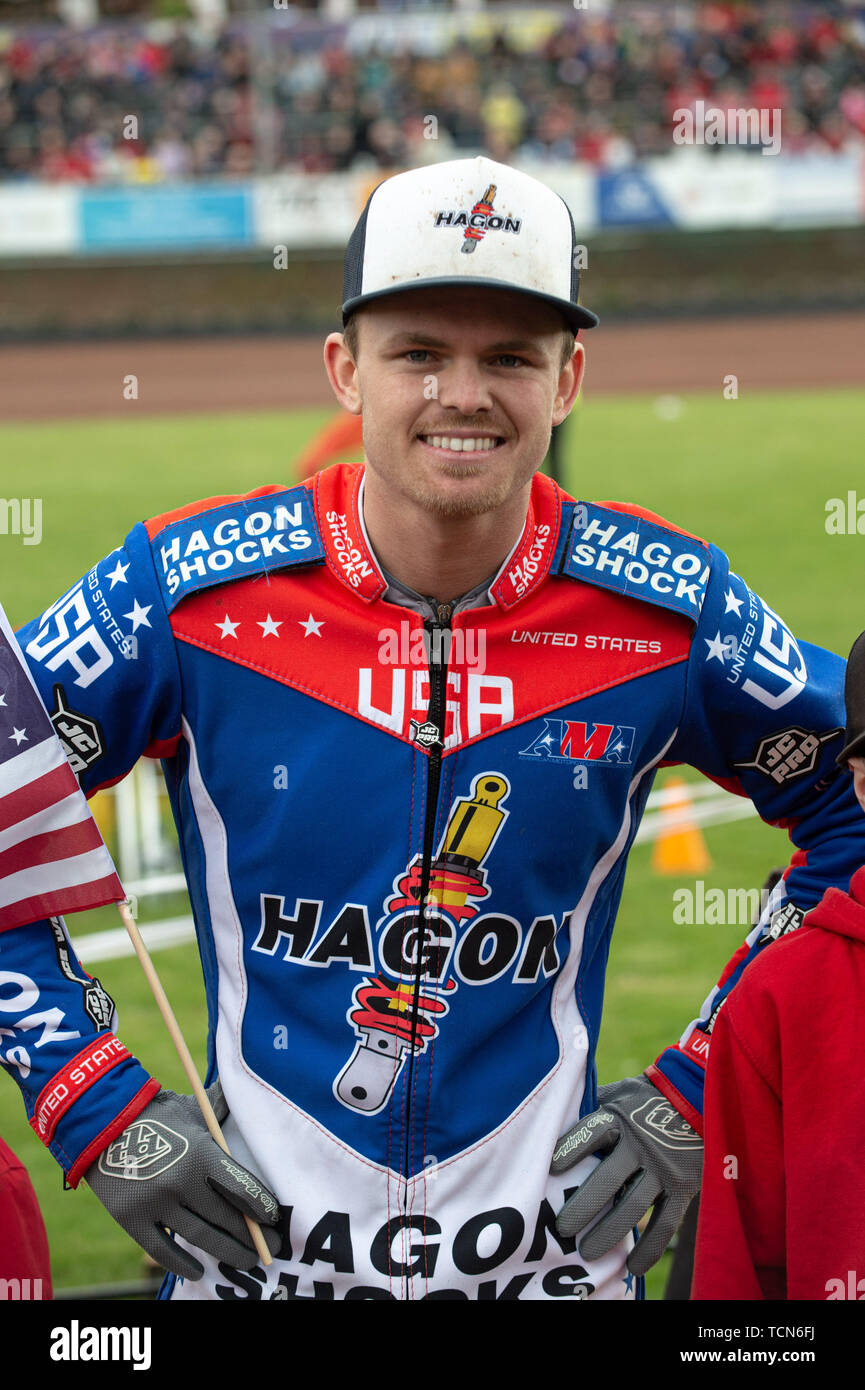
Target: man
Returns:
[409, 715]
[783, 1211]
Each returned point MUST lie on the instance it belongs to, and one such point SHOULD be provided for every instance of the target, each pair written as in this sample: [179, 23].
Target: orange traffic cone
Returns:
[679, 847]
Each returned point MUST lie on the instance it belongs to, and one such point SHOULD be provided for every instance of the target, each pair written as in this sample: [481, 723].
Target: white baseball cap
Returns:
[465, 222]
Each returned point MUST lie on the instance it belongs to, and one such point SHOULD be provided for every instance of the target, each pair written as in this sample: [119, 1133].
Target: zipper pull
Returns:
[439, 636]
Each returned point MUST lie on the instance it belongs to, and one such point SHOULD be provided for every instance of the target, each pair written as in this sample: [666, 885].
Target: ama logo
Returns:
[570, 741]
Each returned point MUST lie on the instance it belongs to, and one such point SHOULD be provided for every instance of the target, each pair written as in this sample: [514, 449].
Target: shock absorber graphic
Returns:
[472, 235]
[384, 1016]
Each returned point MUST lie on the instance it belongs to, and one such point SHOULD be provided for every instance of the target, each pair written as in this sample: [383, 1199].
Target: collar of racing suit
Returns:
[525, 565]
[397, 592]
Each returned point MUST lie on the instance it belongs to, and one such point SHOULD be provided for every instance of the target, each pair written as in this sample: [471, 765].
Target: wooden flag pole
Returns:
[186, 1058]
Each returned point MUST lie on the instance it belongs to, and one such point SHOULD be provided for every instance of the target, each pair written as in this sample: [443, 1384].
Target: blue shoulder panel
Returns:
[637, 557]
[249, 536]
[563, 540]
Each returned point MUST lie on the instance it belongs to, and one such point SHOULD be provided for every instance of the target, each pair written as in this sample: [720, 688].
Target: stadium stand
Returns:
[256, 94]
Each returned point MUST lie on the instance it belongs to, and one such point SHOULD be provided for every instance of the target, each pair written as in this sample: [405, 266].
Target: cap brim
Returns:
[854, 749]
[575, 315]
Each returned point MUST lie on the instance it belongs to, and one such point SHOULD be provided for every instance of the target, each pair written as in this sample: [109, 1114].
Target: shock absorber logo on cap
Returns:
[481, 219]
[399, 1011]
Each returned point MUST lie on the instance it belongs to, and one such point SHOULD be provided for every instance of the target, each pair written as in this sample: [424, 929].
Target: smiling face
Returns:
[459, 389]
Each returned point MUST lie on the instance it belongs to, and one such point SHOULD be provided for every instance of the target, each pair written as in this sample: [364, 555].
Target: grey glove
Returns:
[651, 1153]
[165, 1170]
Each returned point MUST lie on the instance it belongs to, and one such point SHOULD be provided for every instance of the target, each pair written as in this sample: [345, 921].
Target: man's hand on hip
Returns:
[165, 1171]
[651, 1157]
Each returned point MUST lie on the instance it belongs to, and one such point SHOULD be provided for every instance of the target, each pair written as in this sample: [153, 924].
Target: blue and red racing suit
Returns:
[334, 761]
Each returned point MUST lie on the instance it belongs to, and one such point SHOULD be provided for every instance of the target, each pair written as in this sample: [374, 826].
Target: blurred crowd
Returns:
[118, 104]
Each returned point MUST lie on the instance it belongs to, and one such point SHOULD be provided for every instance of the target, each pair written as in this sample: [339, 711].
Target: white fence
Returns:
[148, 859]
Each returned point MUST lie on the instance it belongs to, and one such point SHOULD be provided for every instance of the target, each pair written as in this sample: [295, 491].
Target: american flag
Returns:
[52, 856]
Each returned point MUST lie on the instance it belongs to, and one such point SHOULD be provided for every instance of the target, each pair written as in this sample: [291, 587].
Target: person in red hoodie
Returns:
[782, 1206]
[25, 1262]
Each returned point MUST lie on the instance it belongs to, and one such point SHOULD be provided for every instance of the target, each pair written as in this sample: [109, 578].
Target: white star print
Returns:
[733, 604]
[138, 615]
[2, 699]
[228, 628]
[19, 737]
[312, 627]
[716, 648]
[270, 627]
[118, 574]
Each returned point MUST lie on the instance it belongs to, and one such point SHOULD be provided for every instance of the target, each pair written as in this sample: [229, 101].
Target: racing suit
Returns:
[335, 760]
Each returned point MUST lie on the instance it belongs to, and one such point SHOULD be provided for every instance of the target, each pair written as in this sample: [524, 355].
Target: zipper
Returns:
[436, 629]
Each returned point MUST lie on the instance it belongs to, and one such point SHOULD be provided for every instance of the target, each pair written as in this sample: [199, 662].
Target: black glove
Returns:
[652, 1157]
[165, 1170]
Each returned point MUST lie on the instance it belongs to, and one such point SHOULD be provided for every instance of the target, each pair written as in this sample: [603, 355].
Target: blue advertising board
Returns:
[184, 215]
[628, 198]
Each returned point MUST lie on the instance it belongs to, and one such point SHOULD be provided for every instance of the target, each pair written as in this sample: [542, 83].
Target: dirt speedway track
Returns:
[78, 380]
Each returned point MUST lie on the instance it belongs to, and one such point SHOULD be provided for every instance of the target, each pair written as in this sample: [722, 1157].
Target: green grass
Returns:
[98, 478]
[86, 1245]
[754, 475]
